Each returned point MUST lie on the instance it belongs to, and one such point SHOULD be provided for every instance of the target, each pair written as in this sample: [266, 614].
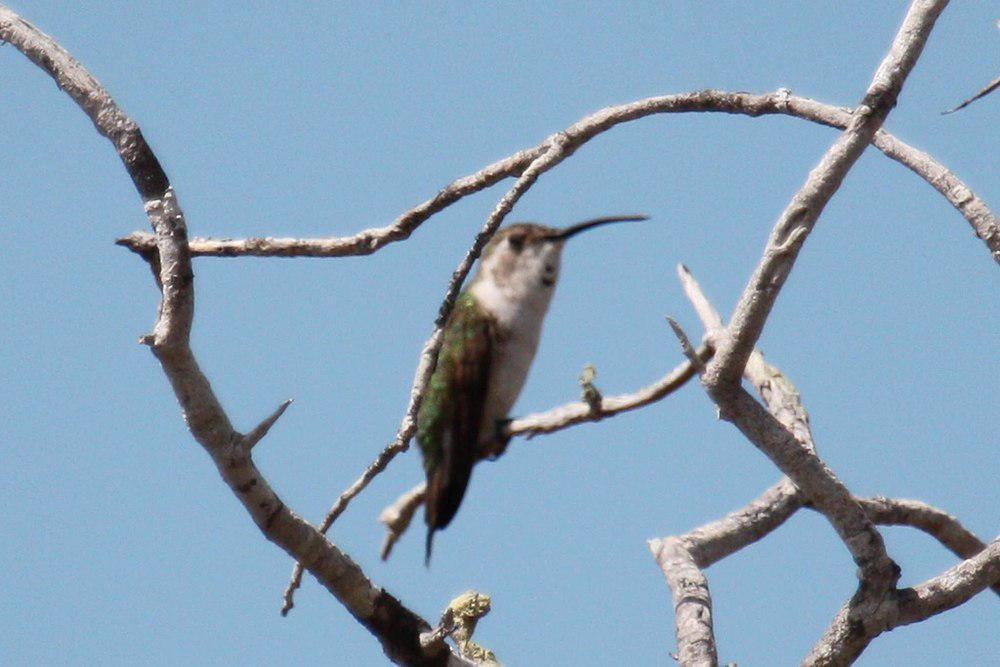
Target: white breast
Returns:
[519, 316]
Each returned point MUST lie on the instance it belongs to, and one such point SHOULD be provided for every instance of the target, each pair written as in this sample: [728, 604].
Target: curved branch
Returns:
[937, 523]
[396, 627]
[952, 587]
[364, 242]
[973, 209]
[711, 542]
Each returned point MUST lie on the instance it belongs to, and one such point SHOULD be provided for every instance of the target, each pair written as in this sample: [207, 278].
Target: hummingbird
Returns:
[490, 340]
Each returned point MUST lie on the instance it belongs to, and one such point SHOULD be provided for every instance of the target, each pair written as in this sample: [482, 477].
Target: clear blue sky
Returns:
[121, 545]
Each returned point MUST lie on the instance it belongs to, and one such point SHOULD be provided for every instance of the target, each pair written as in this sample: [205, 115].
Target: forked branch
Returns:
[878, 573]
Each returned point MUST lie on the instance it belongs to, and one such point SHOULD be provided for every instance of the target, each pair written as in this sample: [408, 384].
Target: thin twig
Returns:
[987, 89]
[686, 345]
[707, 313]
[397, 516]
[579, 412]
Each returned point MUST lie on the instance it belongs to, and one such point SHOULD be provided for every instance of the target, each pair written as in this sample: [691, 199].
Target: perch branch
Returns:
[398, 515]
[579, 412]
[397, 628]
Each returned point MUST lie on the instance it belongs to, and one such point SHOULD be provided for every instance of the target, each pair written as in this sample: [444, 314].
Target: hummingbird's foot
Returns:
[501, 438]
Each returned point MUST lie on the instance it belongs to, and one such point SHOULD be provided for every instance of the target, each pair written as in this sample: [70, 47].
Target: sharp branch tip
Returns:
[256, 435]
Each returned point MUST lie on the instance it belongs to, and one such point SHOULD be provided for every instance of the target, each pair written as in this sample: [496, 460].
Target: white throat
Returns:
[518, 302]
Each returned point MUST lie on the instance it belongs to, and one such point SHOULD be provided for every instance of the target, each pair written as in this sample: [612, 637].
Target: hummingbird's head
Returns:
[524, 257]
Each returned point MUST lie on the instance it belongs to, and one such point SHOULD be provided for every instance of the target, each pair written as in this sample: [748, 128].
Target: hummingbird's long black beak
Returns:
[573, 230]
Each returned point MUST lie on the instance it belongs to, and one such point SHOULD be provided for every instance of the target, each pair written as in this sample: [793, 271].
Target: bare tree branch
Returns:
[692, 603]
[776, 390]
[396, 627]
[878, 573]
[683, 557]
[366, 241]
[803, 211]
[847, 636]
[937, 523]
[710, 543]
[952, 587]
[686, 345]
[713, 541]
[972, 208]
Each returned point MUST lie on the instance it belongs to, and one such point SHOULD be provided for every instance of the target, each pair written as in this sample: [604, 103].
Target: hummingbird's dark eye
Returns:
[516, 242]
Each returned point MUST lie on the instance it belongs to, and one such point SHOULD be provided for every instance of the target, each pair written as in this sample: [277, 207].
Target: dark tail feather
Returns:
[429, 547]
[444, 495]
